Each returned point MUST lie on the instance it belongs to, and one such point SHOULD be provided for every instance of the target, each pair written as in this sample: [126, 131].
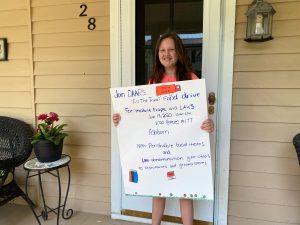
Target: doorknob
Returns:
[211, 98]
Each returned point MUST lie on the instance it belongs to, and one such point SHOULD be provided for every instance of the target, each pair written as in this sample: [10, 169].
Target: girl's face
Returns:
[167, 53]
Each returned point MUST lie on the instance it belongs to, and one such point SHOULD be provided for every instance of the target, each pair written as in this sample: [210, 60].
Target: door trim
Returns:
[116, 80]
[225, 71]
[228, 9]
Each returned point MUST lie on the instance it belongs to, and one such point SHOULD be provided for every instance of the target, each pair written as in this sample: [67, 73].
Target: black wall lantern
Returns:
[296, 142]
[3, 49]
[259, 21]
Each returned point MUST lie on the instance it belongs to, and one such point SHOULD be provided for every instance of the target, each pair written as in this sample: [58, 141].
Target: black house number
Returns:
[92, 20]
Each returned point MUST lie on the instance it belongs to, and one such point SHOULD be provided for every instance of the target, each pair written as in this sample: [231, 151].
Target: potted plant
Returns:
[48, 138]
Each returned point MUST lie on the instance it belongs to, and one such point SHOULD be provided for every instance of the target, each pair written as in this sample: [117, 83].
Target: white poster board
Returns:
[163, 150]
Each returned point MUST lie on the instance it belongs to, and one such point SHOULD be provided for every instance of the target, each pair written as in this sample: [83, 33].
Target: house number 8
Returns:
[92, 20]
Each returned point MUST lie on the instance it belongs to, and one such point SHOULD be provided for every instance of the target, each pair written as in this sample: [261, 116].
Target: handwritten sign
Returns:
[163, 150]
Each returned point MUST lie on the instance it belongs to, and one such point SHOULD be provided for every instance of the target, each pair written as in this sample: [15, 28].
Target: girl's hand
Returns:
[208, 125]
[116, 119]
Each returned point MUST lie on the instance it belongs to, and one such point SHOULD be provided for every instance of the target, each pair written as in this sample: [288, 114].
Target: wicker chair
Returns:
[15, 149]
[296, 142]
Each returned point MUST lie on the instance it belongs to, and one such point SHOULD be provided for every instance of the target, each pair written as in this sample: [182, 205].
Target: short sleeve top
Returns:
[168, 78]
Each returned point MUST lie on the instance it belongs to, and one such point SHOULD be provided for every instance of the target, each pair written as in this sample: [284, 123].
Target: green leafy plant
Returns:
[46, 130]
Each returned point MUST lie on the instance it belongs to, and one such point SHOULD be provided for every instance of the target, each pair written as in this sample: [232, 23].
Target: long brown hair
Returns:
[183, 65]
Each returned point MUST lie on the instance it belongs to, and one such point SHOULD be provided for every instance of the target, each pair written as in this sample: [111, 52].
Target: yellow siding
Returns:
[16, 89]
[15, 67]
[57, 64]
[264, 79]
[16, 73]
[267, 213]
[74, 81]
[15, 84]
[89, 139]
[74, 110]
[72, 78]
[280, 45]
[264, 171]
[13, 17]
[91, 179]
[265, 180]
[69, 25]
[13, 5]
[69, 10]
[37, 3]
[81, 192]
[72, 53]
[72, 67]
[86, 96]
[78, 38]
[16, 34]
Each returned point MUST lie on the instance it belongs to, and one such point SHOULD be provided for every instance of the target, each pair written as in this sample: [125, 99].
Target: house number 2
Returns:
[92, 20]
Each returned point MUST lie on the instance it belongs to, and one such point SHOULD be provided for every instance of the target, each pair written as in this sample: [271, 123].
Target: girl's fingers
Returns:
[208, 125]
[116, 118]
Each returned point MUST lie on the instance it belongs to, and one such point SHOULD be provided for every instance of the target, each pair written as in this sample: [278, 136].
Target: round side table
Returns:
[39, 168]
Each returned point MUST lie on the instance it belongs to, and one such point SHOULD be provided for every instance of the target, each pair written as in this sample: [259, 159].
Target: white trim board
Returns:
[115, 68]
[228, 8]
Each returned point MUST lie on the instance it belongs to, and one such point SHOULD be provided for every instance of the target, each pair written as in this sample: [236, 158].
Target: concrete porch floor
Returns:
[12, 214]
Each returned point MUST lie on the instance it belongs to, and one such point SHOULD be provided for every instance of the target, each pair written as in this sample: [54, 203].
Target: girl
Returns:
[171, 64]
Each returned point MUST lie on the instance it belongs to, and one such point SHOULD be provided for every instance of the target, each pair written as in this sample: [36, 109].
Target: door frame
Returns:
[225, 72]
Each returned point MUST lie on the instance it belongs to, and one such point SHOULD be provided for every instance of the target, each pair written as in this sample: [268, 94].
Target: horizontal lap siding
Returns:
[264, 171]
[264, 79]
[99, 67]
[81, 110]
[16, 89]
[72, 78]
[79, 38]
[58, 81]
[16, 74]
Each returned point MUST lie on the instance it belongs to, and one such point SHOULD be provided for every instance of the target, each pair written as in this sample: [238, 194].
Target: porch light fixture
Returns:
[3, 49]
[259, 21]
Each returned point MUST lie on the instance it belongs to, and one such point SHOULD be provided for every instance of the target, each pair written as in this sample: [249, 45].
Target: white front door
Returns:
[126, 77]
